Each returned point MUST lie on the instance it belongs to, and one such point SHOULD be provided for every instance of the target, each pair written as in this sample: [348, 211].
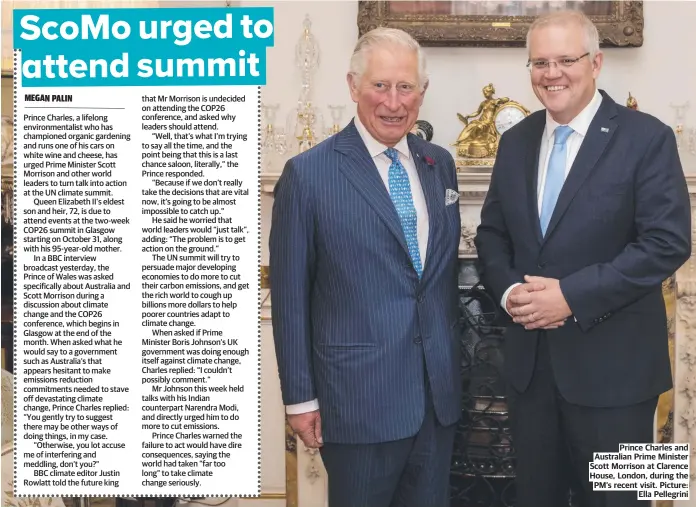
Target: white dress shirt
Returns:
[580, 124]
[382, 163]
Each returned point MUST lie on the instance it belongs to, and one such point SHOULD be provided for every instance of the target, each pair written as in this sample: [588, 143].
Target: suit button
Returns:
[417, 340]
[420, 298]
[541, 265]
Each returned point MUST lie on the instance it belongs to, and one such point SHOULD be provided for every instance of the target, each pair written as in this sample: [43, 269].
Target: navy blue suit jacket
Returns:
[621, 226]
[352, 323]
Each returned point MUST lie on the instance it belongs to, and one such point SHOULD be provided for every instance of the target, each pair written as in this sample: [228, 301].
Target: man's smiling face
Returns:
[388, 94]
[563, 90]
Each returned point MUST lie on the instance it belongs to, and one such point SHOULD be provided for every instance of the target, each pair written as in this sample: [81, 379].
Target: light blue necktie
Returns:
[400, 191]
[555, 175]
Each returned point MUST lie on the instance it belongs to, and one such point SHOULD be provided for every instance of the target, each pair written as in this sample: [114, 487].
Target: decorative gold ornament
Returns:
[264, 274]
[631, 102]
[480, 136]
[307, 139]
[474, 164]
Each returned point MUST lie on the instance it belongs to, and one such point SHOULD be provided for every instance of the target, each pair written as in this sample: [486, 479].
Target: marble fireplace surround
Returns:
[305, 476]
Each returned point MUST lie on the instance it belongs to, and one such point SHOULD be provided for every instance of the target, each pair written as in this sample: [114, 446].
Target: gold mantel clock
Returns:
[509, 115]
[477, 144]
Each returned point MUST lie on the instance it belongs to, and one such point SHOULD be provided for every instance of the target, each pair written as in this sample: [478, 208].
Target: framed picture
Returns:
[494, 23]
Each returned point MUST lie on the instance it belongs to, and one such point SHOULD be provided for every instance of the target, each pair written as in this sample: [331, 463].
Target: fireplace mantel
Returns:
[472, 185]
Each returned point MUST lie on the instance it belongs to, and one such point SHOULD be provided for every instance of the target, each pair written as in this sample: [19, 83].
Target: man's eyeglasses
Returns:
[545, 64]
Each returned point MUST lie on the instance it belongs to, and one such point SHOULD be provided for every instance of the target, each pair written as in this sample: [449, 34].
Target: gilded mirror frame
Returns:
[622, 27]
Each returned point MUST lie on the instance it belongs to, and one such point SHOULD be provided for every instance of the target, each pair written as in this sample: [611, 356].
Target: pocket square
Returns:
[451, 196]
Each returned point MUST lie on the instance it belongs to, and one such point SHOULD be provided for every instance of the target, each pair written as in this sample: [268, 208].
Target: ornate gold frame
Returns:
[624, 27]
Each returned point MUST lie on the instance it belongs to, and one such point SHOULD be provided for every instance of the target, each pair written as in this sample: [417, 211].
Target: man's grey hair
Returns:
[564, 17]
[386, 37]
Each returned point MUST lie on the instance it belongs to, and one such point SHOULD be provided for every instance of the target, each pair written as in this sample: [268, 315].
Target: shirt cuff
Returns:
[302, 408]
[503, 300]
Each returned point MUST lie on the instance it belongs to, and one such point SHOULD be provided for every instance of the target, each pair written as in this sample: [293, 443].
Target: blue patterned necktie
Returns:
[555, 175]
[400, 191]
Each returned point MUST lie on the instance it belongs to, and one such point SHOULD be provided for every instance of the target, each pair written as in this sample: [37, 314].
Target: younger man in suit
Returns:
[363, 265]
[587, 213]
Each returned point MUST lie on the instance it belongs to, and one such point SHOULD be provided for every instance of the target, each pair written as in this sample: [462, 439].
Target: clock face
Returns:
[507, 116]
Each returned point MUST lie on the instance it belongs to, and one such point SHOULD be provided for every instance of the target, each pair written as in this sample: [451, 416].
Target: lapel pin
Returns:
[605, 129]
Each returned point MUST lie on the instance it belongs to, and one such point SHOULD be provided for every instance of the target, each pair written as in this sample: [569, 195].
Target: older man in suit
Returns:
[363, 266]
[587, 213]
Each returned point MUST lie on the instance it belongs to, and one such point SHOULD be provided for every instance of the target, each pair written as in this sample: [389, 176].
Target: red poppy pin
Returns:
[428, 160]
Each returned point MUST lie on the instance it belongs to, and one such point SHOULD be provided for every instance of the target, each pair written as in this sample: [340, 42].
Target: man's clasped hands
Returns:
[538, 303]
